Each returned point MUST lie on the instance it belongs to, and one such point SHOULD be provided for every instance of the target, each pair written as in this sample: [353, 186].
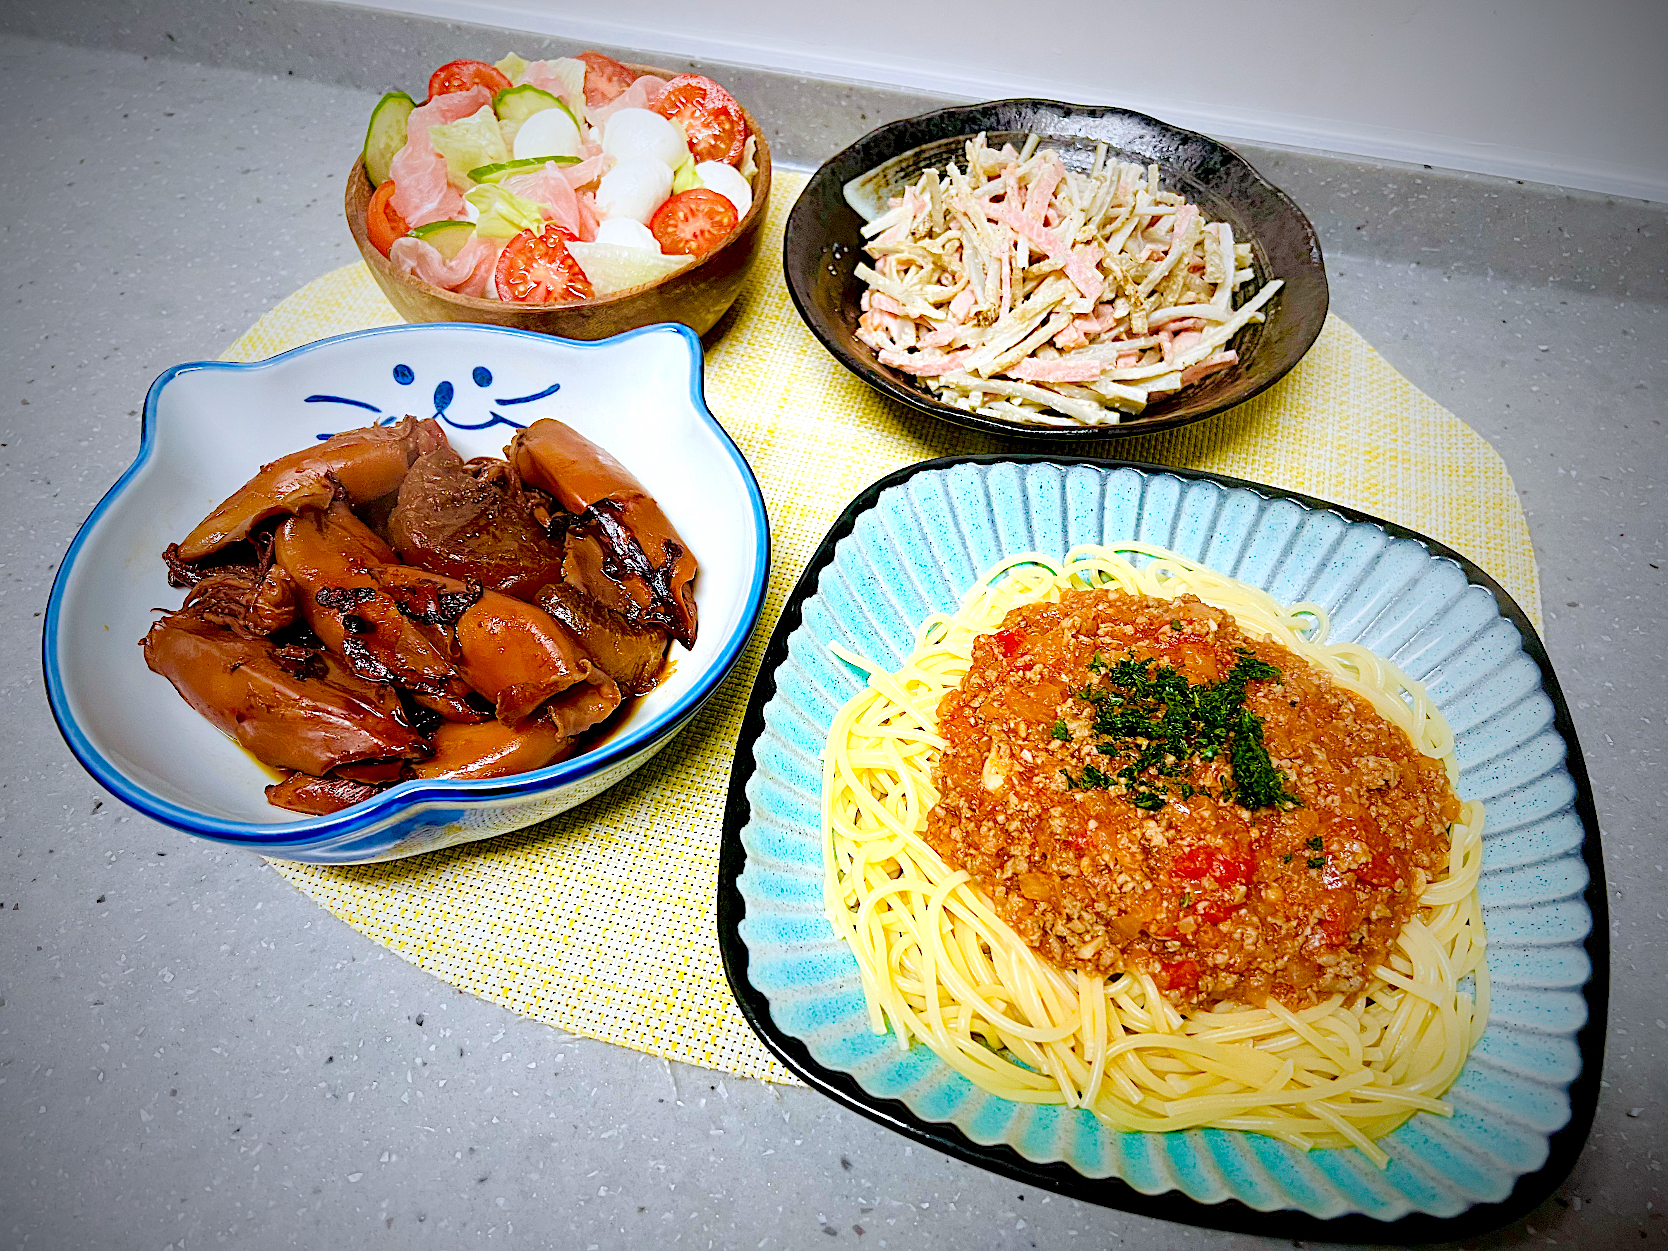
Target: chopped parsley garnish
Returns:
[1175, 624]
[1317, 862]
[1093, 779]
[1062, 732]
[1159, 725]
[1315, 843]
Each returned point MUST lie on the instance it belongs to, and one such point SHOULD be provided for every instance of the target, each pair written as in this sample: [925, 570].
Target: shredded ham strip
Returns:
[1091, 293]
[1033, 370]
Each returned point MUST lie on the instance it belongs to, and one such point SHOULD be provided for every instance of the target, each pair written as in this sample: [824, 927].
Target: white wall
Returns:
[1573, 92]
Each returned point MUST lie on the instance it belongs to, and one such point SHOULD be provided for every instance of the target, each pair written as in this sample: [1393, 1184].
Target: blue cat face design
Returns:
[445, 397]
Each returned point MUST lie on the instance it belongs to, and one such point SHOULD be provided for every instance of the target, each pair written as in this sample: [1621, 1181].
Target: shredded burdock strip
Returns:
[1012, 286]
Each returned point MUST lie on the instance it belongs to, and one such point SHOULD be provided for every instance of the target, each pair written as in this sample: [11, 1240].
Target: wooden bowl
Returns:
[696, 295]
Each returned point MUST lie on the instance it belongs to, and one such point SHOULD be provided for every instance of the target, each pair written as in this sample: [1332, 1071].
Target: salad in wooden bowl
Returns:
[578, 196]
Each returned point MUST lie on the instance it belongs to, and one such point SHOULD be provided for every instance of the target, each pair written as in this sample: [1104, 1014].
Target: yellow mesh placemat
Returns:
[601, 920]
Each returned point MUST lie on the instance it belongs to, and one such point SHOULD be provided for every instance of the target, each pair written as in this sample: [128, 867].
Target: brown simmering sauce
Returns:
[1295, 899]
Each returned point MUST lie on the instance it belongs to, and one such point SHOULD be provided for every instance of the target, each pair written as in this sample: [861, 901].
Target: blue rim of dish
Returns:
[1529, 1191]
[421, 793]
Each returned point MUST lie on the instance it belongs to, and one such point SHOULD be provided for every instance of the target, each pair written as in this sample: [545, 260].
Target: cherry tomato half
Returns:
[382, 224]
[462, 75]
[693, 222]
[539, 269]
[605, 78]
[710, 117]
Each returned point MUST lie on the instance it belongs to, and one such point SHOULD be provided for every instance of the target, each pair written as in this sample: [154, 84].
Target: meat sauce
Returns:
[1107, 869]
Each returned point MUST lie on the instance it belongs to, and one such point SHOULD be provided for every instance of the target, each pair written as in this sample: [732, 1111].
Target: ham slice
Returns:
[589, 218]
[1042, 190]
[547, 186]
[924, 366]
[1210, 365]
[643, 92]
[422, 193]
[1057, 371]
[1079, 265]
[587, 171]
[454, 106]
[480, 280]
[653, 85]
[466, 273]
[542, 75]
[1104, 318]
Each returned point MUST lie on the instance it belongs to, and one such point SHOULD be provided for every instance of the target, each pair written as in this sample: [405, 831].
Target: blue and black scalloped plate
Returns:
[909, 545]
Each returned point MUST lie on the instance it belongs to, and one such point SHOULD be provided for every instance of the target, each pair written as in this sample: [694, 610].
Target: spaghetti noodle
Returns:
[938, 963]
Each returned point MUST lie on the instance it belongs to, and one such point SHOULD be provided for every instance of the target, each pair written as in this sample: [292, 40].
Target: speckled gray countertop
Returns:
[194, 1054]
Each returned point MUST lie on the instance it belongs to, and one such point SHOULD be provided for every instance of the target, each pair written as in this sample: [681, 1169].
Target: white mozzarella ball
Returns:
[627, 232]
[638, 132]
[727, 180]
[549, 132]
[634, 188]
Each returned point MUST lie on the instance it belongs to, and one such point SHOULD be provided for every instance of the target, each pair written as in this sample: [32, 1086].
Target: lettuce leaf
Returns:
[684, 177]
[474, 140]
[571, 70]
[504, 214]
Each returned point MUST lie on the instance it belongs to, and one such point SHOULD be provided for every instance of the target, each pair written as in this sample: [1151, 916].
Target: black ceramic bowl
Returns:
[823, 246]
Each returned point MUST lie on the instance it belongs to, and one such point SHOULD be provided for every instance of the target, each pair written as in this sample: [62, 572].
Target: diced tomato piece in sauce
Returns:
[1008, 642]
[1334, 927]
[1379, 871]
[1179, 975]
[1192, 864]
[1231, 870]
[1216, 911]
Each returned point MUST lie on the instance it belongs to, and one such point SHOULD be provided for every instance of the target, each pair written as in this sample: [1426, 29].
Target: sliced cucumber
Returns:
[508, 169]
[448, 238]
[386, 134]
[517, 104]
